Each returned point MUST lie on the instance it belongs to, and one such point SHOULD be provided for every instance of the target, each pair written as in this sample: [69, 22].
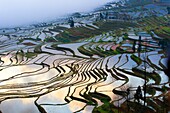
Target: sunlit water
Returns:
[36, 76]
[60, 77]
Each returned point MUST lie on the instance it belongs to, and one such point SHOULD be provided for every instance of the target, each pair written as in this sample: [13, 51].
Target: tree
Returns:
[101, 16]
[168, 8]
[71, 21]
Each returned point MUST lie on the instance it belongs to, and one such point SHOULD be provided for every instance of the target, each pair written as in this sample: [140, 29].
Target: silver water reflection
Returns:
[56, 77]
[61, 77]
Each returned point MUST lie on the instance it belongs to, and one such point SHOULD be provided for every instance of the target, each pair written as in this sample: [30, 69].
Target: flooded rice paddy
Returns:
[36, 76]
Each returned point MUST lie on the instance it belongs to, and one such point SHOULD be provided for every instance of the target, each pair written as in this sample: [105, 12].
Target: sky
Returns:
[23, 12]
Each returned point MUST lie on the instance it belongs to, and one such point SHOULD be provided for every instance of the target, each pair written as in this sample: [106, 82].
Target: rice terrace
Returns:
[113, 59]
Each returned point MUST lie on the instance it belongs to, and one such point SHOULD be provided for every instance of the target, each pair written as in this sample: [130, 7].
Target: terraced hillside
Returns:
[96, 66]
[81, 76]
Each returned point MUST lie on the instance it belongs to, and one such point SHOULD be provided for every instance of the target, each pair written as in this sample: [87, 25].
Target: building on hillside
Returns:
[112, 15]
[165, 2]
[162, 1]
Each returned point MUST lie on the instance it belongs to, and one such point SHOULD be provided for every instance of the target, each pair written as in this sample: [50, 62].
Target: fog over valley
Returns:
[23, 12]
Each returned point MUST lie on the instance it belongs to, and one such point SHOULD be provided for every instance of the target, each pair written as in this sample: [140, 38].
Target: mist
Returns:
[23, 12]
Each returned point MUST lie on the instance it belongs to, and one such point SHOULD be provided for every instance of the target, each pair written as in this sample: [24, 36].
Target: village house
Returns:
[112, 15]
[163, 2]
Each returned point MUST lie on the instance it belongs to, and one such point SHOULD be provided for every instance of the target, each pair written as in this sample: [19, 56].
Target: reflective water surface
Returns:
[76, 77]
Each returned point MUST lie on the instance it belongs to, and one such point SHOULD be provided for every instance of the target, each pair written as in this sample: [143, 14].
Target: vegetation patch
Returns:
[136, 59]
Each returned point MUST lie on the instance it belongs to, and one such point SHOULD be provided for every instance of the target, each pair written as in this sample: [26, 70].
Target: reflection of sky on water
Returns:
[19, 106]
[74, 46]
[39, 70]
[56, 97]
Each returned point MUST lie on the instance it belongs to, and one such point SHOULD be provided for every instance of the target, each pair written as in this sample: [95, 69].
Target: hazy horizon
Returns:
[24, 12]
